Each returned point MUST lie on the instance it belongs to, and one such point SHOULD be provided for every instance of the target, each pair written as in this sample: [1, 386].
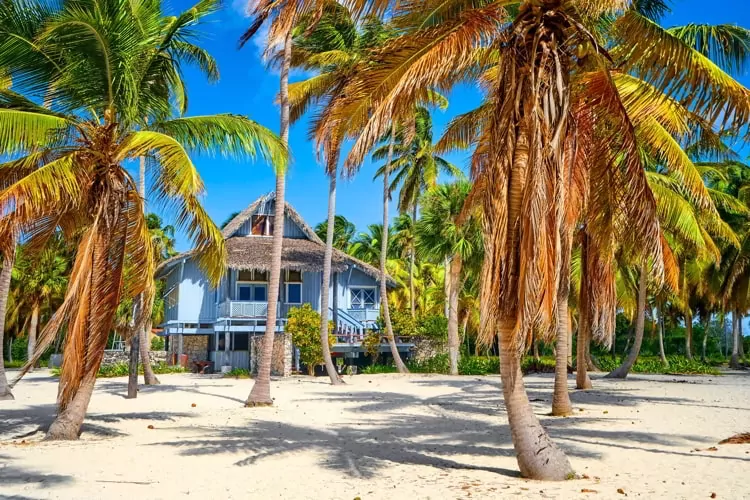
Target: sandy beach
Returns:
[378, 437]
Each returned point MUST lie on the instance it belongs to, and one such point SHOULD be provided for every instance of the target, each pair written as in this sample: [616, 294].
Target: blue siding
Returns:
[311, 282]
[197, 298]
[356, 278]
[172, 285]
[292, 230]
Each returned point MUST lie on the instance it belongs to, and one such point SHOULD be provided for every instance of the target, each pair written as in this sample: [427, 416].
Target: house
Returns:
[225, 324]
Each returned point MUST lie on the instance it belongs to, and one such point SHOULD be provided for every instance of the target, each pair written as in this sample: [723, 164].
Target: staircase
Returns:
[349, 330]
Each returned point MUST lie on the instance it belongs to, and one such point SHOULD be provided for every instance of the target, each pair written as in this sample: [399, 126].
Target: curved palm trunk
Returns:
[560, 398]
[623, 370]
[689, 333]
[660, 319]
[5, 275]
[33, 331]
[149, 377]
[260, 395]
[538, 456]
[584, 324]
[400, 366]
[67, 424]
[412, 258]
[734, 361]
[741, 339]
[453, 338]
[325, 289]
[590, 365]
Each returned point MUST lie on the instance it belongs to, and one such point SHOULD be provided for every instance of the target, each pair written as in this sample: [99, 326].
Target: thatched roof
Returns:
[235, 224]
[254, 252]
[248, 252]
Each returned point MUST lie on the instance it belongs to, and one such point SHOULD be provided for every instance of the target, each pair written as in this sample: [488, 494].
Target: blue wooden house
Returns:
[224, 325]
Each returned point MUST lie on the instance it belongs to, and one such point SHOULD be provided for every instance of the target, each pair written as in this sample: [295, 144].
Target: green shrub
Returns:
[678, 365]
[16, 363]
[123, 370]
[237, 373]
[439, 363]
[304, 327]
[157, 343]
[162, 367]
[377, 369]
[545, 364]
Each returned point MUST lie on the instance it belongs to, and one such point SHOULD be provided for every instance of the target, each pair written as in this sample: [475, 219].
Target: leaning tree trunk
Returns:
[400, 366]
[561, 405]
[5, 275]
[326, 288]
[412, 259]
[538, 456]
[741, 339]
[705, 338]
[67, 425]
[453, 338]
[260, 395]
[33, 331]
[623, 370]
[590, 365]
[660, 319]
[689, 333]
[734, 361]
[584, 322]
[149, 377]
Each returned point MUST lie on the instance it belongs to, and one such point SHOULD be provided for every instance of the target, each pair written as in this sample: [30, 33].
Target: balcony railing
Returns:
[245, 309]
[364, 316]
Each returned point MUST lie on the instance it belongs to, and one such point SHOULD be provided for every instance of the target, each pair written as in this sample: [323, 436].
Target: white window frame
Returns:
[249, 283]
[297, 283]
[365, 287]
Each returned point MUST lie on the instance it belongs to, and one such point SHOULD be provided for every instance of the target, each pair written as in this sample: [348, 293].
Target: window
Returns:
[363, 298]
[172, 297]
[252, 275]
[262, 225]
[294, 293]
[252, 292]
[294, 276]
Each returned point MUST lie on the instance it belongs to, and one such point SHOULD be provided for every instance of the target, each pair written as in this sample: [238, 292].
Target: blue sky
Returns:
[247, 87]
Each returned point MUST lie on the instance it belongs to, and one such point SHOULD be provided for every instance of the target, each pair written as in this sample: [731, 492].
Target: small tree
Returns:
[304, 327]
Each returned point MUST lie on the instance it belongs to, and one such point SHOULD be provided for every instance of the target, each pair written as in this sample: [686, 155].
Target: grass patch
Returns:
[122, 370]
[14, 364]
[237, 373]
[678, 365]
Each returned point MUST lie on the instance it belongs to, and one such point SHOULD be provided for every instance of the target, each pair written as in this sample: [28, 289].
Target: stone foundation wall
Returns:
[115, 357]
[195, 346]
[281, 364]
[427, 348]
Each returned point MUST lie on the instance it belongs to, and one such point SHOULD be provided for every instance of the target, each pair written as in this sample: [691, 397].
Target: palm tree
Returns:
[98, 70]
[343, 232]
[417, 166]
[405, 238]
[446, 231]
[551, 82]
[280, 34]
[9, 258]
[42, 279]
[367, 246]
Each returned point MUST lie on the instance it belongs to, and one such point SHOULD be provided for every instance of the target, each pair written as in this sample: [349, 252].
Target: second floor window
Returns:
[363, 298]
[252, 292]
[262, 225]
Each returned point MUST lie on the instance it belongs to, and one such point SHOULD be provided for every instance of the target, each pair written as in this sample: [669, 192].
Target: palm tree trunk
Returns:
[33, 330]
[400, 366]
[689, 333]
[149, 377]
[325, 289]
[67, 424]
[5, 276]
[623, 370]
[260, 395]
[412, 258]
[561, 405]
[538, 456]
[590, 365]
[741, 340]
[446, 286]
[135, 344]
[584, 325]
[705, 337]
[734, 361]
[453, 339]
[570, 339]
[660, 319]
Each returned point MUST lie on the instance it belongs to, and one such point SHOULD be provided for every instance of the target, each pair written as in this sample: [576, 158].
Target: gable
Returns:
[294, 226]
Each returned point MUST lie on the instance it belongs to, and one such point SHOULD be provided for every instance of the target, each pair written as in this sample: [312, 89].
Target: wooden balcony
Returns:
[364, 316]
[247, 309]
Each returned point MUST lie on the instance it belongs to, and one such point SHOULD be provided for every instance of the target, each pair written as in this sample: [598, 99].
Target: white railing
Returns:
[244, 309]
[364, 315]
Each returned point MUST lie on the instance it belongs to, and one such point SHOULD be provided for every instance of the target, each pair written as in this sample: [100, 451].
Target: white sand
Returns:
[381, 436]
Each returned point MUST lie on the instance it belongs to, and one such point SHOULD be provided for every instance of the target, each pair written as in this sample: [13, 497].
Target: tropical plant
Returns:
[103, 72]
[304, 326]
[343, 232]
[448, 231]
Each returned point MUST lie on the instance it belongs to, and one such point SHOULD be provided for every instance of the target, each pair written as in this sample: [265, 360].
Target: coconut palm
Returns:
[552, 84]
[446, 231]
[343, 232]
[98, 70]
[5, 277]
[282, 17]
[331, 44]
[366, 246]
